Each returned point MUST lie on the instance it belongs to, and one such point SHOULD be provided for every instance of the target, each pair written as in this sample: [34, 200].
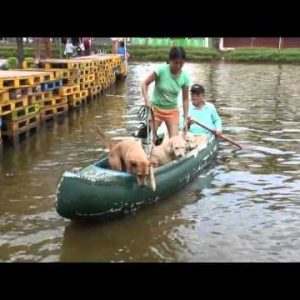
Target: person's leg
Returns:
[172, 122]
[157, 123]
[173, 130]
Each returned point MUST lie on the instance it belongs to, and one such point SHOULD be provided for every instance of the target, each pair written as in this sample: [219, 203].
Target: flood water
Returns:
[246, 207]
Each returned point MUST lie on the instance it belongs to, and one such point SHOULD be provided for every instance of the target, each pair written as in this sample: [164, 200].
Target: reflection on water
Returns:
[244, 208]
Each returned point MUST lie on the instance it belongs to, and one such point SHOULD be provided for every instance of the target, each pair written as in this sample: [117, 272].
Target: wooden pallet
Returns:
[39, 97]
[71, 81]
[77, 102]
[55, 100]
[21, 113]
[4, 96]
[16, 136]
[89, 78]
[37, 75]
[15, 94]
[99, 88]
[68, 89]
[21, 78]
[32, 99]
[51, 85]
[50, 112]
[84, 93]
[20, 103]
[34, 89]
[60, 73]
[84, 64]
[93, 91]
[8, 107]
[74, 73]
[11, 83]
[9, 127]
[72, 96]
[85, 72]
[59, 64]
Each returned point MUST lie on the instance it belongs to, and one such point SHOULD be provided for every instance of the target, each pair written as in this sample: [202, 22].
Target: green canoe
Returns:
[96, 192]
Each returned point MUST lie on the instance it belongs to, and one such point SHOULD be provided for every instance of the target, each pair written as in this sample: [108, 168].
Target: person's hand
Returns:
[148, 103]
[190, 121]
[218, 133]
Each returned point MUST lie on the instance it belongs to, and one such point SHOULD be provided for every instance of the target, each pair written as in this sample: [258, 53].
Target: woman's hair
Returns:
[122, 44]
[177, 53]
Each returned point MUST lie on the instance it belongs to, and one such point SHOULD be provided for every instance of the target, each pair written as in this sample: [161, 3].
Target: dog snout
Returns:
[141, 181]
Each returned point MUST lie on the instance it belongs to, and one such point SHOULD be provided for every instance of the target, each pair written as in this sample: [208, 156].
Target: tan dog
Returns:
[193, 141]
[128, 156]
[169, 150]
[190, 139]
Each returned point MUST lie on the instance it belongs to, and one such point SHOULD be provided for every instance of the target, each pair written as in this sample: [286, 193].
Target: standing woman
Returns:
[169, 80]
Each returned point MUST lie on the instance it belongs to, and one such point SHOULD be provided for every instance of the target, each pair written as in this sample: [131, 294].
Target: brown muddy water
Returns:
[246, 207]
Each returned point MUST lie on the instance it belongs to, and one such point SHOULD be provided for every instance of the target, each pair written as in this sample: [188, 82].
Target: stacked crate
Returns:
[20, 98]
[93, 74]
[30, 96]
[73, 75]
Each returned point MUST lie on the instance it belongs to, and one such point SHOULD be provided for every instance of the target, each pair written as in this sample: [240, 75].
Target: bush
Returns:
[12, 63]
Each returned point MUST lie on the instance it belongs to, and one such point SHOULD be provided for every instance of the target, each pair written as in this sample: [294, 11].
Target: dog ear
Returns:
[132, 162]
[132, 165]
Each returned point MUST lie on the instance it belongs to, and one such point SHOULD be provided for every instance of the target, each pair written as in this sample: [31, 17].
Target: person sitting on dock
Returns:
[204, 112]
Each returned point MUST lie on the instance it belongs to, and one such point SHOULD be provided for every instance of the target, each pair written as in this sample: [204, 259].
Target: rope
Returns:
[146, 113]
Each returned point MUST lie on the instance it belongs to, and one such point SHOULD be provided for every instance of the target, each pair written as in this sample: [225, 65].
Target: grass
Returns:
[248, 55]
[11, 51]
[263, 55]
[143, 53]
[140, 53]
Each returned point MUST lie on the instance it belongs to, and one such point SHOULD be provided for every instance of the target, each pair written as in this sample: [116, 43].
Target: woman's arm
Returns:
[152, 77]
[185, 103]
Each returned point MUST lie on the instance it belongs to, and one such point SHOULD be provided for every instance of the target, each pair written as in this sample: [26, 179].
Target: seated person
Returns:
[203, 112]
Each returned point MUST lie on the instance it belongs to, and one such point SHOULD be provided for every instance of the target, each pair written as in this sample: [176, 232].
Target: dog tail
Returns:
[104, 138]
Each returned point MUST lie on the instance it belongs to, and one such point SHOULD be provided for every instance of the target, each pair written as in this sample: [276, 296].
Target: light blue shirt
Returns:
[207, 115]
[121, 50]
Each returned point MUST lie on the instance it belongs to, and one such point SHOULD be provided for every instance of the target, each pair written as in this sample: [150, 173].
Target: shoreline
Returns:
[196, 55]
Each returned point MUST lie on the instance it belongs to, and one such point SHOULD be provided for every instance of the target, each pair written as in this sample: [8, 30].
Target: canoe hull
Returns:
[99, 193]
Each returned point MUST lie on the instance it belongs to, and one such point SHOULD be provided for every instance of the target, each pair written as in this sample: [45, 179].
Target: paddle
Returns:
[219, 135]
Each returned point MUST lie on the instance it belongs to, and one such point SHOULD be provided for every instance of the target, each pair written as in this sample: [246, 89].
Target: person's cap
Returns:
[197, 88]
